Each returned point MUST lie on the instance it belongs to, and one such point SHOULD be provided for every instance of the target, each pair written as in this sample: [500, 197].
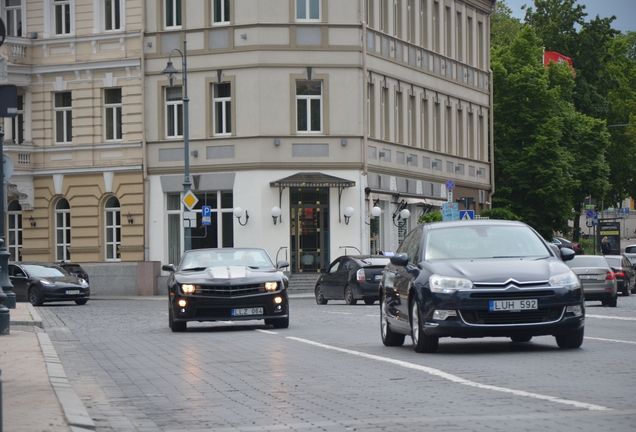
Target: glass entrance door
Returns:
[309, 229]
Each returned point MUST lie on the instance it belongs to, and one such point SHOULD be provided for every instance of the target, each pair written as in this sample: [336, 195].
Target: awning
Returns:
[312, 179]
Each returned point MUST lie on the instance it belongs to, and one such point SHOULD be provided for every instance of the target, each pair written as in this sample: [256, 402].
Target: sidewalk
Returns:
[36, 395]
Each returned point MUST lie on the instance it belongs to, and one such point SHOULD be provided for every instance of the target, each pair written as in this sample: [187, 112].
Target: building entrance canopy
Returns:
[312, 179]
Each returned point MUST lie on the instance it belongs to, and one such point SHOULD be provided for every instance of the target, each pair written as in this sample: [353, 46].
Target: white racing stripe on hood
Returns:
[231, 272]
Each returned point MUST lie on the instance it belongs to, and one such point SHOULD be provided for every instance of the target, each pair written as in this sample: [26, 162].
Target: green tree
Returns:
[499, 213]
[433, 216]
[503, 26]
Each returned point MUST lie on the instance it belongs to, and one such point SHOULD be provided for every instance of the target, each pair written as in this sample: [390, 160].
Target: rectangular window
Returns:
[399, 118]
[384, 114]
[384, 16]
[469, 41]
[460, 133]
[112, 114]
[436, 27]
[370, 110]
[222, 100]
[112, 15]
[450, 142]
[308, 10]
[412, 121]
[424, 23]
[173, 13]
[448, 31]
[480, 45]
[13, 17]
[17, 123]
[460, 37]
[369, 12]
[221, 11]
[397, 18]
[174, 112]
[63, 118]
[471, 136]
[410, 21]
[437, 129]
[62, 13]
[424, 124]
[309, 106]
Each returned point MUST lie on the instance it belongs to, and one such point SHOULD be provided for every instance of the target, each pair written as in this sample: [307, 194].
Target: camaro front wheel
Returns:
[421, 342]
[175, 326]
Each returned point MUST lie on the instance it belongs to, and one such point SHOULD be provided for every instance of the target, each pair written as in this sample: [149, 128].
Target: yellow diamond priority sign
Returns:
[190, 200]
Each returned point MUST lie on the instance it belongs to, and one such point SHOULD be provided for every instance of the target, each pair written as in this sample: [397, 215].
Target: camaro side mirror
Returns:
[168, 267]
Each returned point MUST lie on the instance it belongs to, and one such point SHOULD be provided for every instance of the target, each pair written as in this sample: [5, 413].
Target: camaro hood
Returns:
[229, 275]
[499, 270]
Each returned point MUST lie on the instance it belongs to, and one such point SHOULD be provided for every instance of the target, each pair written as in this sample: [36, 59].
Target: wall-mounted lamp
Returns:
[400, 213]
[130, 218]
[343, 142]
[238, 214]
[276, 214]
[32, 222]
[376, 211]
[277, 142]
[347, 214]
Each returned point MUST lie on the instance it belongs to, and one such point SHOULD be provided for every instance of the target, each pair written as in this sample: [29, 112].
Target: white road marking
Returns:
[454, 378]
[266, 331]
[610, 317]
[610, 340]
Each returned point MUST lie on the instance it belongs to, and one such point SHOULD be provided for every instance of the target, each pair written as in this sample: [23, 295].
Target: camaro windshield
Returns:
[201, 259]
[479, 242]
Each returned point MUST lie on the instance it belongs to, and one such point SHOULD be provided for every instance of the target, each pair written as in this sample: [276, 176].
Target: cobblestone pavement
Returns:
[330, 372]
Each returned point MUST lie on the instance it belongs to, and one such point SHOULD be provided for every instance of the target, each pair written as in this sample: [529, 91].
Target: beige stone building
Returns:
[316, 111]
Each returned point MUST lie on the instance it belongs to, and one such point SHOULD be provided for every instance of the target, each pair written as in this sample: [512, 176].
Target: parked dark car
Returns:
[351, 278]
[624, 273]
[563, 242]
[41, 282]
[75, 270]
[230, 284]
[482, 278]
[597, 278]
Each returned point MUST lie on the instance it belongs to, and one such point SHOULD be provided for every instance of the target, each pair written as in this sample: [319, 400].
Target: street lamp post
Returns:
[170, 71]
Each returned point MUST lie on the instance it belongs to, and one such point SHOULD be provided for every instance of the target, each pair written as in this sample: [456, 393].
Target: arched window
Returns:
[62, 230]
[14, 231]
[112, 218]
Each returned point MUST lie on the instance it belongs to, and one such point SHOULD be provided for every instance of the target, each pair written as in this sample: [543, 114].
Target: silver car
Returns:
[630, 253]
[597, 278]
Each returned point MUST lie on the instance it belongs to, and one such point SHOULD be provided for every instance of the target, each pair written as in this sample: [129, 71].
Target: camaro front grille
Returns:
[230, 291]
[537, 316]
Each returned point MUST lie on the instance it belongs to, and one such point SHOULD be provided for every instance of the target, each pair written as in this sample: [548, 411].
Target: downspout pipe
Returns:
[144, 148]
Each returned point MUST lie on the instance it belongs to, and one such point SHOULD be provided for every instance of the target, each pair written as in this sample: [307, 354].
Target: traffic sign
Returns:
[466, 214]
[450, 211]
[190, 200]
[589, 213]
[450, 185]
[206, 215]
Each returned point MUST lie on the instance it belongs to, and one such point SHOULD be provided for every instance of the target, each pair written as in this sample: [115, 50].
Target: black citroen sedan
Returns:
[40, 282]
[482, 278]
[229, 284]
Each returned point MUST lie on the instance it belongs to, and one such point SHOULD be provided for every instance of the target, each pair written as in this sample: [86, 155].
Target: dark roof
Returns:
[312, 179]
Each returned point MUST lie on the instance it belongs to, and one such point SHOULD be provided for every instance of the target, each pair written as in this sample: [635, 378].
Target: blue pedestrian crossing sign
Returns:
[466, 214]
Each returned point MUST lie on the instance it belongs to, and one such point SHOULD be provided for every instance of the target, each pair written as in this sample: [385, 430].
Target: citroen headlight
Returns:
[271, 286]
[567, 280]
[188, 288]
[448, 285]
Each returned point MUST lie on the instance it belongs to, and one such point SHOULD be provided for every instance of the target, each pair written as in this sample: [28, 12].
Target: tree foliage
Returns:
[433, 216]
[499, 213]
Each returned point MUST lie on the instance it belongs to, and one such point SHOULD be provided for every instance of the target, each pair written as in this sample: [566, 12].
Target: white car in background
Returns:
[630, 253]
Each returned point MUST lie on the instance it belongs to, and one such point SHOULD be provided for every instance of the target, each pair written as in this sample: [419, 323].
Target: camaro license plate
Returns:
[513, 305]
[247, 311]
[71, 292]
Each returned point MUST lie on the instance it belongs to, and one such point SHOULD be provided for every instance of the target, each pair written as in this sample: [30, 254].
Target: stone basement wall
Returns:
[125, 278]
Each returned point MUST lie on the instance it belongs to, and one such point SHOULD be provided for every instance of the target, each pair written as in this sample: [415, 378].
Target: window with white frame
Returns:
[112, 223]
[172, 13]
[62, 230]
[13, 17]
[63, 17]
[309, 106]
[398, 120]
[221, 11]
[174, 112]
[17, 123]
[113, 15]
[14, 230]
[112, 114]
[222, 101]
[308, 10]
[63, 118]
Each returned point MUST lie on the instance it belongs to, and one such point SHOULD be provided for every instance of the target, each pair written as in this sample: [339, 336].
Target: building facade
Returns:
[302, 116]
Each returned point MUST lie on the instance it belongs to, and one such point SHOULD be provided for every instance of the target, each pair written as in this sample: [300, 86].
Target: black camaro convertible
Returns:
[227, 285]
[483, 278]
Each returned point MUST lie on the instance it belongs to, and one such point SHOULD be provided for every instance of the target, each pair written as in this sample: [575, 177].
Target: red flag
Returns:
[553, 56]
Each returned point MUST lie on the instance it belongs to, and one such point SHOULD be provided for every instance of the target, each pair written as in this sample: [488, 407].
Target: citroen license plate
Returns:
[247, 311]
[513, 305]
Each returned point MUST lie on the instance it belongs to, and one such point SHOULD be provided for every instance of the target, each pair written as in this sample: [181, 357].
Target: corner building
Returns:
[316, 107]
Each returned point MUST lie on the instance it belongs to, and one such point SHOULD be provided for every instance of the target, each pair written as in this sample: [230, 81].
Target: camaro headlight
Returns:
[448, 285]
[188, 288]
[271, 286]
[566, 280]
